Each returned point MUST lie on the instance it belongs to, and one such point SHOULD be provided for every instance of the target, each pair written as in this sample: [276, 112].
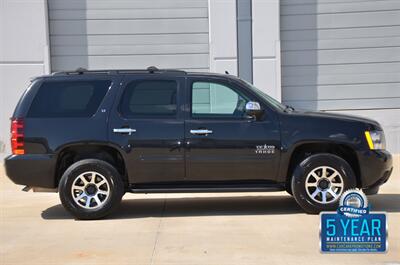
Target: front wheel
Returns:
[90, 189]
[319, 181]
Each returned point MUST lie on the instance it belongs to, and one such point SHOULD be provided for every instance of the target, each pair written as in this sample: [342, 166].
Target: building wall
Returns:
[265, 41]
[24, 50]
[129, 34]
[343, 57]
[27, 21]
[23, 55]
[266, 47]
[223, 36]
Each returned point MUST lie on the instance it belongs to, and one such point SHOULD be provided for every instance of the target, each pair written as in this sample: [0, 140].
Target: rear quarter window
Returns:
[149, 98]
[68, 98]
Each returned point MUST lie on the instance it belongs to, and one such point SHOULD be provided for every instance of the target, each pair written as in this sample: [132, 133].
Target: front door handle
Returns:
[124, 130]
[201, 132]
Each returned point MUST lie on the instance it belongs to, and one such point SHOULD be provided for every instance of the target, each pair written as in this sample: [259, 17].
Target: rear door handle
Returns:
[201, 132]
[124, 130]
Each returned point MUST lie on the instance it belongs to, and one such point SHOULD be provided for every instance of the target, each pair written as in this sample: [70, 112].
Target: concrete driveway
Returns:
[230, 228]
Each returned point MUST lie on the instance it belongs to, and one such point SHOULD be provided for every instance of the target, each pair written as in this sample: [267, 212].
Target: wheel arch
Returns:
[71, 153]
[304, 150]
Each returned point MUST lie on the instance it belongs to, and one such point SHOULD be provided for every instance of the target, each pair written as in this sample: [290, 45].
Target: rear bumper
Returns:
[31, 170]
[376, 168]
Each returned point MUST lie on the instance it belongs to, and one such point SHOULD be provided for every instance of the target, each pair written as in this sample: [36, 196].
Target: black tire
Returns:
[115, 187]
[306, 167]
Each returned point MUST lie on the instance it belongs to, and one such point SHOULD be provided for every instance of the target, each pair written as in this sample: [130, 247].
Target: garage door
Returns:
[104, 34]
[341, 55]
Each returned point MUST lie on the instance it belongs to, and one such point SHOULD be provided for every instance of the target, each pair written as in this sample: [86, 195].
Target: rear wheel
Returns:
[319, 181]
[91, 189]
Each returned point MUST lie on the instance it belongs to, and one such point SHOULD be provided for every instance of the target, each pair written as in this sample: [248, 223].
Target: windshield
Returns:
[269, 99]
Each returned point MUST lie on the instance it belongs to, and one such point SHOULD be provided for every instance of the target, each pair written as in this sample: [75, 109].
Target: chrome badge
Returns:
[265, 149]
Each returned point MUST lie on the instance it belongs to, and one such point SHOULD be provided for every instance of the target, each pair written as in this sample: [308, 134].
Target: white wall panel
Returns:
[341, 55]
[223, 37]
[22, 31]
[23, 55]
[129, 34]
[266, 47]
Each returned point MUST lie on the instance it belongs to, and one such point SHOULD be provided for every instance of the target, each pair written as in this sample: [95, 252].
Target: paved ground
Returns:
[218, 229]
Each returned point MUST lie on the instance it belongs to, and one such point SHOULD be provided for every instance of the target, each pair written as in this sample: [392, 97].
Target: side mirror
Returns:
[253, 110]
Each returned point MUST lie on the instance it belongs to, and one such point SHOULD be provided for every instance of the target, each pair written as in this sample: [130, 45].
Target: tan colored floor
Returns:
[218, 229]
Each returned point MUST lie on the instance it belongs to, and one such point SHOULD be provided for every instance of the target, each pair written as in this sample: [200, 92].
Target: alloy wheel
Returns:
[90, 190]
[324, 185]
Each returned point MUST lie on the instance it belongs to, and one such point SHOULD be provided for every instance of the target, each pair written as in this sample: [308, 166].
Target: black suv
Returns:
[95, 135]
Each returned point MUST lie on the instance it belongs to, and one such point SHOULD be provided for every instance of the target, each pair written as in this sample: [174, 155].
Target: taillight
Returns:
[17, 136]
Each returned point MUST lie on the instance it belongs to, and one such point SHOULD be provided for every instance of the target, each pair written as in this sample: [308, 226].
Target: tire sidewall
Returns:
[306, 166]
[103, 168]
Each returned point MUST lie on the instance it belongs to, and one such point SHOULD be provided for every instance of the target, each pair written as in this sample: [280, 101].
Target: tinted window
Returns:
[149, 98]
[68, 98]
[216, 100]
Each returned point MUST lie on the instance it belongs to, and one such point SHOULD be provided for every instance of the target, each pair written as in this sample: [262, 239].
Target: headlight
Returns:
[375, 140]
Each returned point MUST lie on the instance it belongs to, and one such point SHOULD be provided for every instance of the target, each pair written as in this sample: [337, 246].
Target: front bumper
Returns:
[31, 170]
[375, 167]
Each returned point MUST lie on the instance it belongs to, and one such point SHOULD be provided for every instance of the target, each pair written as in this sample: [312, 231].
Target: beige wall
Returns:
[266, 47]
[23, 55]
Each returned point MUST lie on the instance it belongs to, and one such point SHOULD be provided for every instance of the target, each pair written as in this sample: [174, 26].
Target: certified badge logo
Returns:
[353, 228]
[353, 203]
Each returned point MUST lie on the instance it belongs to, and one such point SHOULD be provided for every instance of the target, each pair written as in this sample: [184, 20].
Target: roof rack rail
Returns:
[151, 70]
[81, 71]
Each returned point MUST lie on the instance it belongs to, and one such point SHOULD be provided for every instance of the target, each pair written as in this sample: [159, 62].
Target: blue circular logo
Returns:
[353, 203]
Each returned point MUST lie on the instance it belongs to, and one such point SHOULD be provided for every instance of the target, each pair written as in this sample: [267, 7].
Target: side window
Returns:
[149, 98]
[216, 100]
[68, 98]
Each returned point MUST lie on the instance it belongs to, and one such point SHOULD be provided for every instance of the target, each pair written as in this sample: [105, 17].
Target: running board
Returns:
[205, 189]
